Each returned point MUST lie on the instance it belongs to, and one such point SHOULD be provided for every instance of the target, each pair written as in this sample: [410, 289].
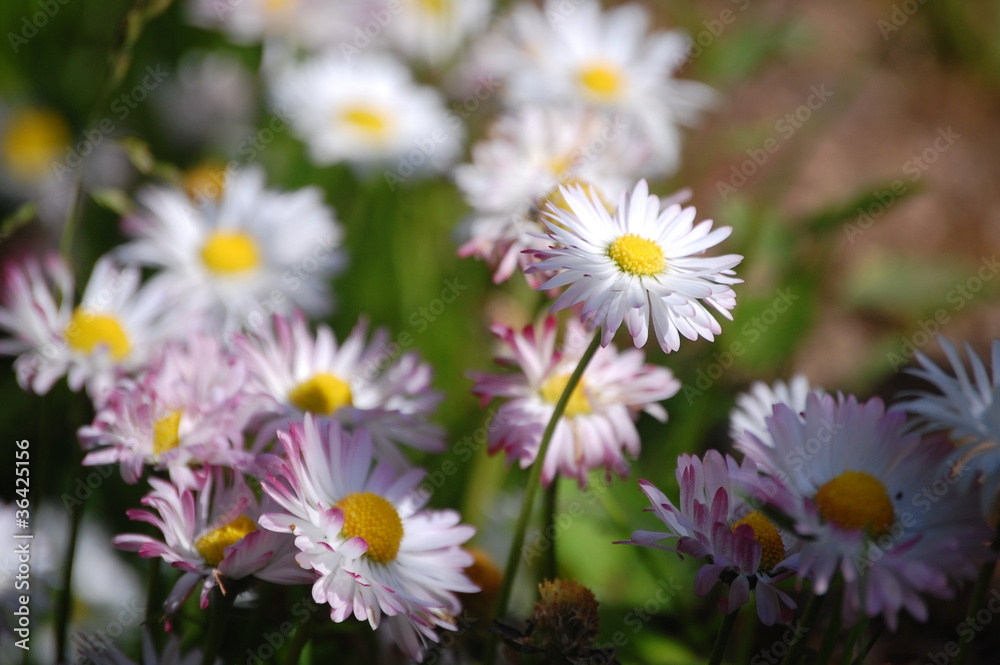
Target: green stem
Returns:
[725, 630]
[831, 635]
[858, 631]
[534, 481]
[805, 624]
[65, 607]
[299, 641]
[550, 564]
[152, 597]
[222, 605]
[978, 596]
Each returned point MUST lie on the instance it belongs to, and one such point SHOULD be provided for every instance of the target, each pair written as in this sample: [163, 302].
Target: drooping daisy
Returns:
[357, 383]
[576, 54]
[433, 30]
[520, 166]
[189, 408]
[367, 111]
[882, 508]
[640, 262]
[754, 406]
[363, 529]
[210, 532]
[239, 258]
[597, 429]
[115, 329]
[716, 519]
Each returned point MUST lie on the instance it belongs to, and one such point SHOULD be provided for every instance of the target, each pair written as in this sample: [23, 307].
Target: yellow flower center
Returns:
[86, 331]
[601, 81]
[228, 252]
[367, 120]
[578, 404]
[374, 518]
[637, 255]
[323, 394]
[437, 8]
[165, 432]
[772, 548]
[275, 6]
[212, 546]
[33, 142]
[207, 181]
[856, 500]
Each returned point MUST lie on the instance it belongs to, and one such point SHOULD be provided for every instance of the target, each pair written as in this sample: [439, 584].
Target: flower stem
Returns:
[302, 635]
[528, 501]
[725, 630]
[805, 623]
[978, 596]
[222, 604]
[66, 598]
[550, 565]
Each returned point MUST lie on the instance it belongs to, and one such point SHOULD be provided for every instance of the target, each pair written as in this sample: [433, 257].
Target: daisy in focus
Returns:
[857, 490]
[362, 527]
[114, 331]
[240, 257]
[355, 382]
[639, 263]
[716, 520]
[189, 408]
[367, 112]
[598, 427]
[210, 532]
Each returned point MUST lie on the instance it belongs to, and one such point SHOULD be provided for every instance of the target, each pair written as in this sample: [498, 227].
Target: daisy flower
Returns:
[433, 30]
[597, 428]
[576, 54]
[310, 23]
[363, 529]
[114, 330]
[209, 531]
[716, 520]
[368, 112]
[640, 261]
[357, 383]
[753, 407]
[874, 504]
[190, 407]
[519, 167]
[236, 258]
[967, 407]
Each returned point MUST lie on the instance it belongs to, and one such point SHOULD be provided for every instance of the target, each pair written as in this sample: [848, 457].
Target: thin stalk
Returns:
[152, 597]
[722, 639]
[805, 624]
[66, 597]
[222, 605]
[830, 637]
[550, 563]
[978, 596]
[857, 633]
[299, 641]
[528, 501]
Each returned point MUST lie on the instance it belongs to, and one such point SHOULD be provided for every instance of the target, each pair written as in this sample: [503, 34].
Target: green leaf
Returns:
[114, 200]
[20, 217]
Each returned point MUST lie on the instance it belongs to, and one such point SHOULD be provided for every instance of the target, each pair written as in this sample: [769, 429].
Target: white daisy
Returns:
[252, 252]
[115, 330]
[641, 261]
[355, 382]
[367, 111]
[434, 30]
[968, 407]
[573, 54]
[755, 406]
[363, 528]
[311, 23]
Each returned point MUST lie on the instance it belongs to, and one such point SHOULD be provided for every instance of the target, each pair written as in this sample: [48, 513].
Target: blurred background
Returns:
[853, 150]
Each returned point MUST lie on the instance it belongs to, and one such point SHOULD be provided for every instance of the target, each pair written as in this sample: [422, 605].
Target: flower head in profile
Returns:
[363, 528]
[229, 254]
[187, 409]
[357, 382]
[597, 429]
[880, 507]
[115, 330]
[641, 262]
[967, 407]
[209, 531]
[716, 520]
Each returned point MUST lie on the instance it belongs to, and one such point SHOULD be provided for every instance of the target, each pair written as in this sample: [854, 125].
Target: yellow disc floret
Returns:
[87, 331]
[578, 404]
[323, 394]
[34, 139]
[367, 120]
[212, 546]
[439, 8]
[228, 252]
[772, 548]
[601, 81]
[637, 255]
[165, 432]
[856, 500]
[374, 518]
